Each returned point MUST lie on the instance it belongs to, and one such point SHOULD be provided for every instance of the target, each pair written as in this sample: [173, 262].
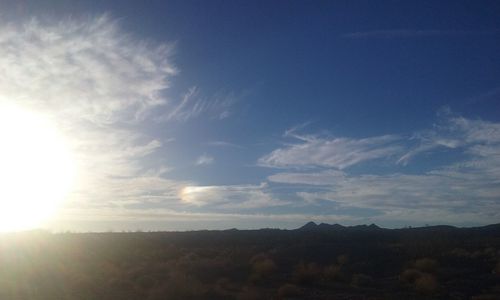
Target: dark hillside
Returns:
[312, 262]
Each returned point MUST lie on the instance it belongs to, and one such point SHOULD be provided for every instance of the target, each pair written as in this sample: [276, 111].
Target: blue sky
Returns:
[219, 114]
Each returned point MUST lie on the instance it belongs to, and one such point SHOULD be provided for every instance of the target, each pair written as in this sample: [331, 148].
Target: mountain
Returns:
[311, 226]
[438, 229]
[331, 226]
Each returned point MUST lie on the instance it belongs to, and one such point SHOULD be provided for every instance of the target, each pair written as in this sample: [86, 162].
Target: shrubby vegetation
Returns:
[314, 262]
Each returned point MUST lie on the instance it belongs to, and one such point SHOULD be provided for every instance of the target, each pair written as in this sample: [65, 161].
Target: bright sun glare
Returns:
[36, 169]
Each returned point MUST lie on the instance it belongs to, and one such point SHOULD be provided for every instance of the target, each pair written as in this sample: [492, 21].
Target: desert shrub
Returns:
[145, 282]
[496, 270]
[262, 269]
[343, 259]
[289, 290]
[410, 275]
[248, 293]
[361, 280]
[121, 289]
[420, 277]
[334, 273]
[426, 284]
[485, 297]
[459, 252]
[259, 257]
[205, 269]
[120, 284]
[307, 273]
[490, 252]
[426, 265]
[224, 286]
[479, 254]
[178, 287]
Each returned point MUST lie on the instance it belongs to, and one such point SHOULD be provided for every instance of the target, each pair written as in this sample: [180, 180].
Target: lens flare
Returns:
[36, 169]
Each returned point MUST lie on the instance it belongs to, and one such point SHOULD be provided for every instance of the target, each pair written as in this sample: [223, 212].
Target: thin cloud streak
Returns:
[223, 144]
[88, 70]
[339, 153]
[467, 188]
[412, 33]
[324, 178]
[193, 105]
[230, 197]
[489, 95]
[204, 160]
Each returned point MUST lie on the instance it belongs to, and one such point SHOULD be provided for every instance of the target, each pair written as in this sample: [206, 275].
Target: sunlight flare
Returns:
[36, 171]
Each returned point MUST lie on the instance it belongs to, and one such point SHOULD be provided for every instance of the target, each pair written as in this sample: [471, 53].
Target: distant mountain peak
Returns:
[331, 226]
[322, 226]
[309, 225]
[325, 226]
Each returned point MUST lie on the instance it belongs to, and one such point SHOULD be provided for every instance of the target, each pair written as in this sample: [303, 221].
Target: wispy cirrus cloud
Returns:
[454, 132]
[414, 33]
[193, 104]
[433, 194]
[204, 160]
[86, 69]
[231, 197]
[323, 178]
[464, 191]
[339, 153]
[223, 144]
[100, 85]
[492, 94]
[96, 82]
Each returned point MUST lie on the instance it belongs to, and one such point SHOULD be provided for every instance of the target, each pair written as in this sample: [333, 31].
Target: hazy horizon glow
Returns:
[175, 117]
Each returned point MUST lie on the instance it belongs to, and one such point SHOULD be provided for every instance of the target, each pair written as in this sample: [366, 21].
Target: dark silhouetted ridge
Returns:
[337, 227]
[330, 226]
[309, 226]
[492, 227]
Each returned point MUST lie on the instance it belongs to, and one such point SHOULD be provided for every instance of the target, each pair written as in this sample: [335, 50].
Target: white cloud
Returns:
[85, 70]
[431, 195]
[464, 191]
[204, 160]
[183, 110]
[455, 132]
[339, 153]
[413, 33]
[476, 131]
[489, 95]
[327, 177]
[96, 83]
[230, 196]
[223, 144]
[193, 104]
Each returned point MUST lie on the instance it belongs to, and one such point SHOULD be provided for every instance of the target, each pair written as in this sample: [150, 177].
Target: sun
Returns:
[36, 169]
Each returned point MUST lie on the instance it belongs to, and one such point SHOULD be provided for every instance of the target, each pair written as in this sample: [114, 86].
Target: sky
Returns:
[183, 115]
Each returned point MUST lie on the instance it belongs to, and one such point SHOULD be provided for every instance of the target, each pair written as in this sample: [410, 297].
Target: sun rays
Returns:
[36, 171]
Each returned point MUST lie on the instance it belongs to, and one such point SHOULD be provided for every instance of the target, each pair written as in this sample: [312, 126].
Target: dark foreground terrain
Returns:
[313, 262]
